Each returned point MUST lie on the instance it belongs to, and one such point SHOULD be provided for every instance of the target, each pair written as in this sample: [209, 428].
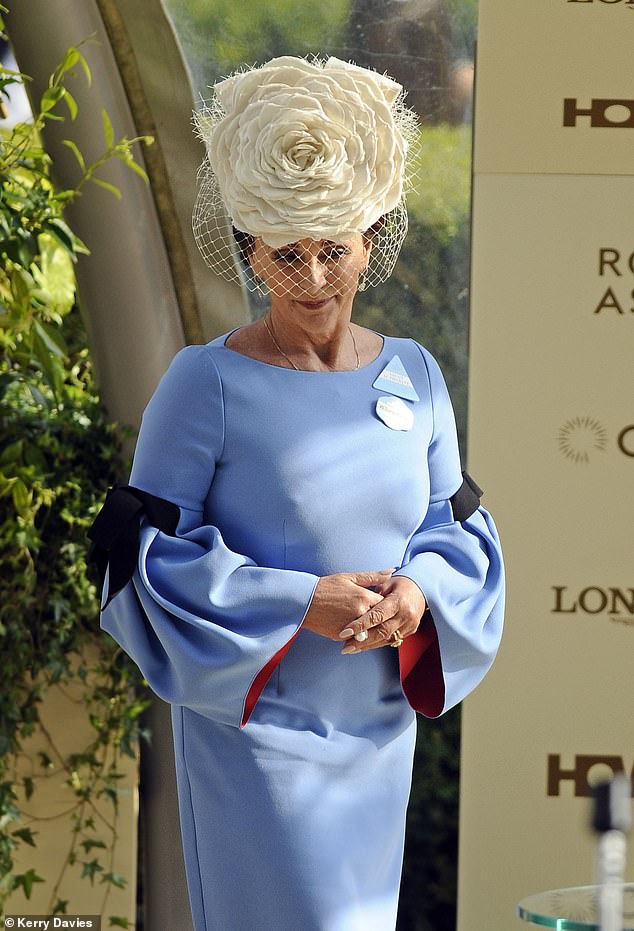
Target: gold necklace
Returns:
[288, 359]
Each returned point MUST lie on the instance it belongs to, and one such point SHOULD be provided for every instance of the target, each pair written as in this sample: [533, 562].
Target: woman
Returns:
[311, 566]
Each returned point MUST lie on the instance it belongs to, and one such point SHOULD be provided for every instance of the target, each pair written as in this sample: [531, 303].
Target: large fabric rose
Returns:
[306, 149]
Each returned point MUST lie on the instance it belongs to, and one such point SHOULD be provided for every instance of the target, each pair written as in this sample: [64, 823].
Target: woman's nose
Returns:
[315, 273]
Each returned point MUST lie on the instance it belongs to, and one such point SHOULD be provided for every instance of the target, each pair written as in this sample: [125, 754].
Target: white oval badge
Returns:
[395, 413]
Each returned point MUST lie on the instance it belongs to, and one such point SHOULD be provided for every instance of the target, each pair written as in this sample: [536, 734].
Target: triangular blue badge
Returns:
[395, 380]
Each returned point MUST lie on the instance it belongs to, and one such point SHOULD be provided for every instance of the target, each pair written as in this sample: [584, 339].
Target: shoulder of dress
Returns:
[191, 368]
[201, 354]
[410, 352]
[218, 342]
[396, 344]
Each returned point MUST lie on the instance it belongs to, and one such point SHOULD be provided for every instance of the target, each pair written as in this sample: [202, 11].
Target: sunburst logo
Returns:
[580, 437]
[576, 904]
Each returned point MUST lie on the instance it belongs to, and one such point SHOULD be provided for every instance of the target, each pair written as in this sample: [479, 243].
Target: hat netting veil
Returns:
[299, 149]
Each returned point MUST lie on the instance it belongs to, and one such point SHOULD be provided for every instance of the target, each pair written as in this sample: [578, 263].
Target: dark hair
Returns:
[245, 243]
[376, 227]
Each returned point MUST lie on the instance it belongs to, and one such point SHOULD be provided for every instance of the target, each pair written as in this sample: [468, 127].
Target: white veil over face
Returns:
[297, 150]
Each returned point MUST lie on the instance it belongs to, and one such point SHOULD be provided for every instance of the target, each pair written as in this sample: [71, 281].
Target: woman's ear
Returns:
[367, 249]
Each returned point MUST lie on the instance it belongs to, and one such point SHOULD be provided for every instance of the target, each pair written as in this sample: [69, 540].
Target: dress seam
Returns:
[431, 393]
[222, 400]
[433, 499]
[284, 542]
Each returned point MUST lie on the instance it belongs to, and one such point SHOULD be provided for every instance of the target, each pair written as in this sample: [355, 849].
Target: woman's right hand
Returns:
[340, 599]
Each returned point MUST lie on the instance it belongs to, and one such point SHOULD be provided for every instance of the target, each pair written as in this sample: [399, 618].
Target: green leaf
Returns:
[21, 286]
[111, 793]
[63, 233]
[22, 498]
[108, 131]
[12, 453]
[27, 881]
[108, 187]
[69, 61]
[116, 879]
[71, 103]
[51, 365]
[91, 869]
[54, 273]
[26, 835]
[86, 69]
[130, 162]
[73, 147]
[118, 922]
[89, 844]
[50, 98]
[51, 337]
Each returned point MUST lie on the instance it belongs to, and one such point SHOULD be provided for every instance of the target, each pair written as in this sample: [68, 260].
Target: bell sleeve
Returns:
[205, 625]
[458, 566]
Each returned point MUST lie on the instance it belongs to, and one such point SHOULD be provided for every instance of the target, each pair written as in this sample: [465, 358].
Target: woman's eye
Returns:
[285, 256]
[336, 252]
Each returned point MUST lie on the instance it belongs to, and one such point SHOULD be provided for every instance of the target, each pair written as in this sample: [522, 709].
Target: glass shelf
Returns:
[573, 909]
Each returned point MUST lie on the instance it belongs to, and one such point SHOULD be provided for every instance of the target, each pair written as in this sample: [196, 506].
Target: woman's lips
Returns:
[314, 305]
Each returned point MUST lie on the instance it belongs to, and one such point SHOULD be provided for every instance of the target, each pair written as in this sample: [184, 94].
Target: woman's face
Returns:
[312, 274]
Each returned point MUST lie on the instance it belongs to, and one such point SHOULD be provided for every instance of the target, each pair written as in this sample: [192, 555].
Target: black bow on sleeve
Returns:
[467, 499]
[115, 532]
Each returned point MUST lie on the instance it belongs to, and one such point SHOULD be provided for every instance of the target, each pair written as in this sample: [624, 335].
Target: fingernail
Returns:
[346, 634]
[349, 648]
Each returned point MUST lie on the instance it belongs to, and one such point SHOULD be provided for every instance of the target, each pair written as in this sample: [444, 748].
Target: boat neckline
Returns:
[284, 368]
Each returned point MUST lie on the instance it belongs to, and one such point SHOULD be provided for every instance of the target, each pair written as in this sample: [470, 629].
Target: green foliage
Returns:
[221, 35]
[441, 191]
[57, 457]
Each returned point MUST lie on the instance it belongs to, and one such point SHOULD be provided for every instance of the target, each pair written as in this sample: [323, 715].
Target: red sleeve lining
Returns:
[421, 669]
[257, 686]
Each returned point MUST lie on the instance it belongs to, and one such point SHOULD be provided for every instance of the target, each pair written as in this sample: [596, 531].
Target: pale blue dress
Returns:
[294, 762]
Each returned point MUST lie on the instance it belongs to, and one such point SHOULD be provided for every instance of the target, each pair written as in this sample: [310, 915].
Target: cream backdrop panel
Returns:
[552, 440]
[532, 55]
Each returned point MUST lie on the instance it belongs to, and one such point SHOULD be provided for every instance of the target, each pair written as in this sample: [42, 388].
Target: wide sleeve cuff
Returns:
[458, 567]
[205, 625]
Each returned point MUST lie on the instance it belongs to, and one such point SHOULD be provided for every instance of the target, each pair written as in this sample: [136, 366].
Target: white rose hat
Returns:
[300, 149]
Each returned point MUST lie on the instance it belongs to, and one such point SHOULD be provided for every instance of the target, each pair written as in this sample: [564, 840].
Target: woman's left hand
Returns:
[398, 614]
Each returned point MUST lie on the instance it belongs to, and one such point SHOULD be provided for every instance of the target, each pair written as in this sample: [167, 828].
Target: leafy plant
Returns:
[57, 457]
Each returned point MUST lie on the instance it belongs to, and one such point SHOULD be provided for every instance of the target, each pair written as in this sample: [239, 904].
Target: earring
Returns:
[362, 284]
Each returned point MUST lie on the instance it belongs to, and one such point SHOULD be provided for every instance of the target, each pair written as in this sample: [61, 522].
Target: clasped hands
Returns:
[380, 603]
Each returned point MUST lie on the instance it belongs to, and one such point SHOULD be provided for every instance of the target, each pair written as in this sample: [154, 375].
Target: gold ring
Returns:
[396, 639]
